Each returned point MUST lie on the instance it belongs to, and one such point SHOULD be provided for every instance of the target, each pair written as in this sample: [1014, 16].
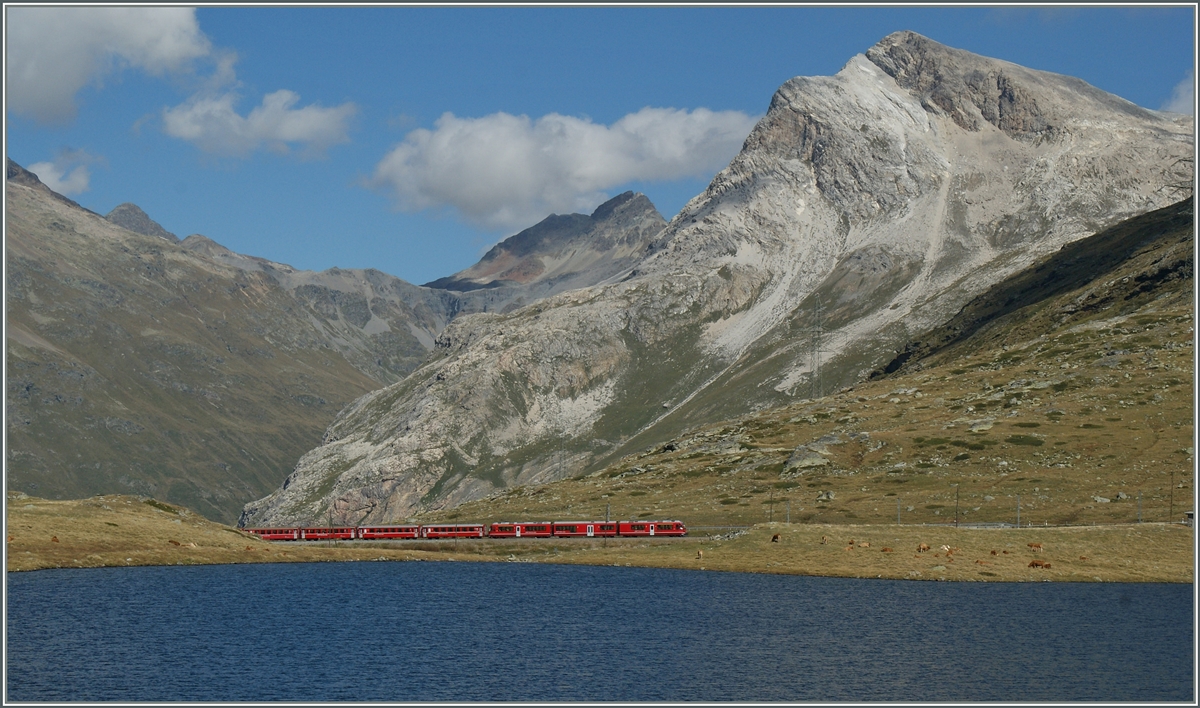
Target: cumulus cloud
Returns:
[53, 52]
[503, 171]
[1183, 98]
[211, 123]
[68, 174]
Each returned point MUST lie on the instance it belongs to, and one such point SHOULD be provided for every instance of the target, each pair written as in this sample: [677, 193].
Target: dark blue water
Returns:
[524, 632]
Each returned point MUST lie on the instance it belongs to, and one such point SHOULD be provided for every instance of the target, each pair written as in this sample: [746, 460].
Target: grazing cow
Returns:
[886, 550]
[1004, 552]
[775, 538]
[1046, 566]
[1037, 564]
[700, 555]
[923, 547]
[824, 540]
[993, 553]
[1034, 546]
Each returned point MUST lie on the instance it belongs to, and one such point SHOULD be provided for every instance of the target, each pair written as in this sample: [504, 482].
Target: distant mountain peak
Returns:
[546, 249]
[20, 175]
[130, 216]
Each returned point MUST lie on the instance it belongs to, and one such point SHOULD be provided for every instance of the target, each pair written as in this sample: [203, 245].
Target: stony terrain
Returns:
[143, 364]
[865, 209]
[1079, 402]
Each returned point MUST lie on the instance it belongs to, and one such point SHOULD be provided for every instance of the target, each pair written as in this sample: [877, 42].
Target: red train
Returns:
[500, 529]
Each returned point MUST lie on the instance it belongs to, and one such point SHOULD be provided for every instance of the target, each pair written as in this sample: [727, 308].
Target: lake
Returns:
[422, 631]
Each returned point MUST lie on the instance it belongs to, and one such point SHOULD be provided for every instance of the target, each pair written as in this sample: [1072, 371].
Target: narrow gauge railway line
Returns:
[499, 529]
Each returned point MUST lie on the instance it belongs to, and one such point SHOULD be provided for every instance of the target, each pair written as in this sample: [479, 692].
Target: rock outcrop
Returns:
[141, 363]
[560, 253]
[865, 207]
[131, 216]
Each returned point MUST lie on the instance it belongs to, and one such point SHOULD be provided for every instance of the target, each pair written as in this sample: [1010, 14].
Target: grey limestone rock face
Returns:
[868, 205]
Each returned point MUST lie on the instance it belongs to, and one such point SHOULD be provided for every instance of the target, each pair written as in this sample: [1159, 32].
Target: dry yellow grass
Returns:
[127, 531]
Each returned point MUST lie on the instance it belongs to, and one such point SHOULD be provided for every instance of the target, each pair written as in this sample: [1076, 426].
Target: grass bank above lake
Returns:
[126, 531]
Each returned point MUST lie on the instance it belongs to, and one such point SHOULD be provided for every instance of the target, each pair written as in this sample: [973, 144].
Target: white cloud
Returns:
[504, 172]
[68, 174]
[1183, 98]
[211, 123]
[53, 52]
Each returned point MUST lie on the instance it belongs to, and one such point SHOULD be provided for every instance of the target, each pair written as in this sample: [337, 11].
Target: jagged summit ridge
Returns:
[131, 216]
[889, 202]
[562, 246]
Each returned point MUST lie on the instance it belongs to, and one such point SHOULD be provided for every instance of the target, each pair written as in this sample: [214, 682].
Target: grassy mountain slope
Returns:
[1076, 397]
[136, 366]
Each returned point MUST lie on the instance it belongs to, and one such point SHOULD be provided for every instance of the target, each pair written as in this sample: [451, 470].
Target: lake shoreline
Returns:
[125, 531]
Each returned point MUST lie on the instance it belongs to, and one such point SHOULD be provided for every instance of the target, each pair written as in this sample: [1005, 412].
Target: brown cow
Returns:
[983, 562]
[923, 547]
[1037, 564]
[824, 540]
[993, 553]
[886, 550]
[775, 538]
[54, 539]
[1034, 546]
[1083, 558]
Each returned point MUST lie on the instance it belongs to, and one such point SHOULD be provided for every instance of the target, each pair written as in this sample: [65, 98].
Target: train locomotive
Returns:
[499, 529]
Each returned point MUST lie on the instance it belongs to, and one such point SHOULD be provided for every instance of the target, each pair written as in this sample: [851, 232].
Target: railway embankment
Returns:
[117, 530]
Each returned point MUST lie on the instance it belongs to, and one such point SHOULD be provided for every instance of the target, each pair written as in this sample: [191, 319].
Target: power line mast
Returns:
[817, 332]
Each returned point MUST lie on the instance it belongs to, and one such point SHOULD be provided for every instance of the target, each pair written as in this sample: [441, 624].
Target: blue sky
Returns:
[411, 139]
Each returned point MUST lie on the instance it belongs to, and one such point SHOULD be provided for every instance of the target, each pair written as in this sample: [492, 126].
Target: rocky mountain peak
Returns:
[865, 206]
[130, 216]
[971, 89]
[564, 245]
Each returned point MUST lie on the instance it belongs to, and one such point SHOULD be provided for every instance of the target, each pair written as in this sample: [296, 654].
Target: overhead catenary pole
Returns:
[817, 331]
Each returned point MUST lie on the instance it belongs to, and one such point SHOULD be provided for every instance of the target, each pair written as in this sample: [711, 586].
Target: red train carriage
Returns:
[275, 534]
[520, 529]
[323, 533]
[406, 531]
[567, 529]
[452, 531]
[651, 528]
